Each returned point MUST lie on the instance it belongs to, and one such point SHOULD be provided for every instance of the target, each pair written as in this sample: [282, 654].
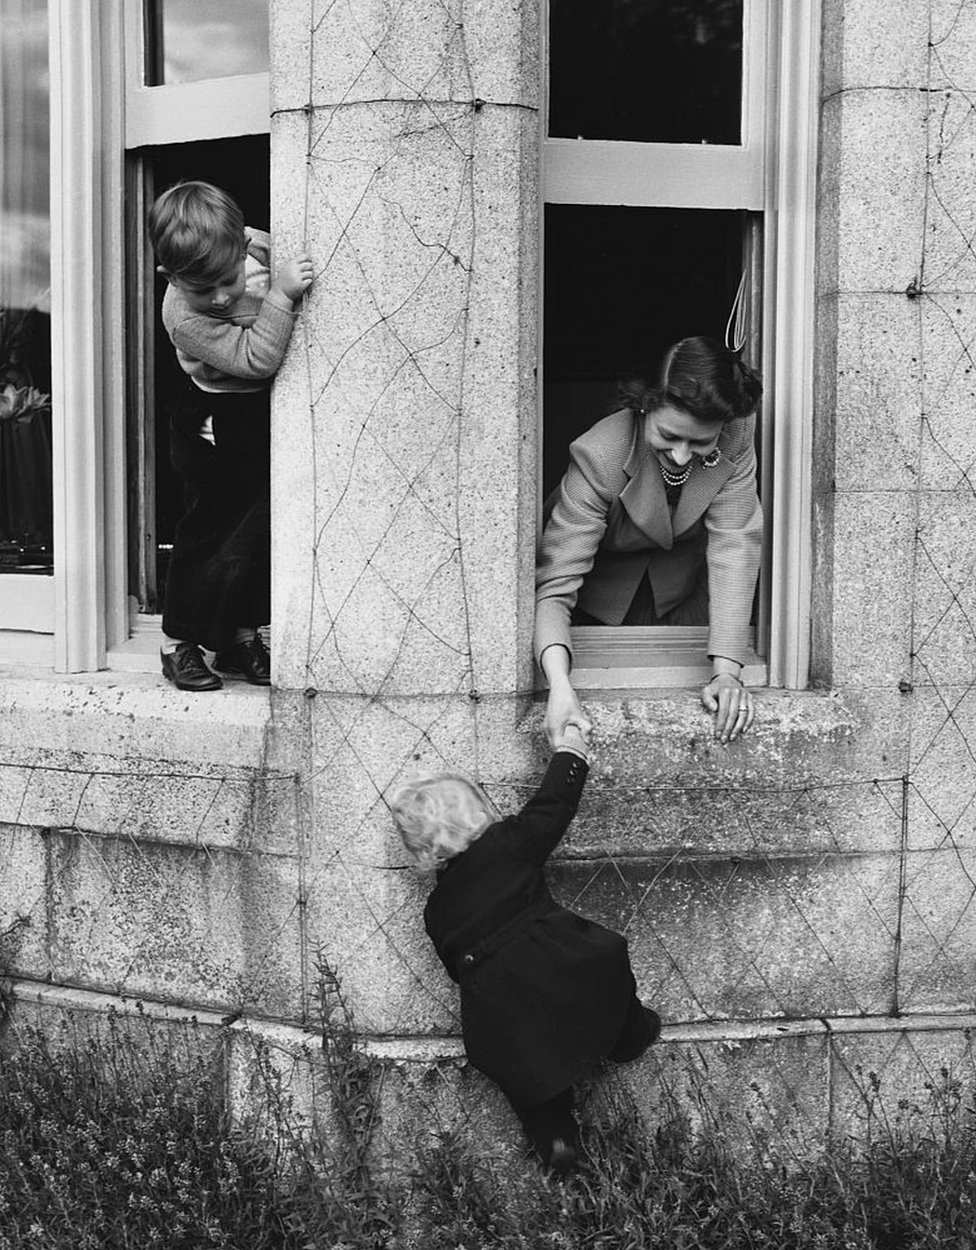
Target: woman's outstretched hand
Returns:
[562, 707]
[731, 704]
[562, 710]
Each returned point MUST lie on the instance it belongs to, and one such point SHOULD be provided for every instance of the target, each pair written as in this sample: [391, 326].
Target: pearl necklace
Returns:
[672, 478]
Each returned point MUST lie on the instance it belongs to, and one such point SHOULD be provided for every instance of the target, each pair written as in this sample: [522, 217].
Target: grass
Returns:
[911, 1187]
[123, 1140]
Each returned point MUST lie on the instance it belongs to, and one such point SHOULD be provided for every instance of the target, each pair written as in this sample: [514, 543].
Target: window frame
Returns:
[82, 619]
[771, 174]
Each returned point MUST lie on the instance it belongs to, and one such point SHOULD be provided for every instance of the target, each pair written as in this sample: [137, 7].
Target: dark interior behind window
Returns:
[241, 167]
[664, 71]
[621, 285]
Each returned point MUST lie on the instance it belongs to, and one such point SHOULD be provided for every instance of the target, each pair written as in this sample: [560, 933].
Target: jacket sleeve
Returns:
[536, 831]
[571, 540]
[258, 243]
[734, 522]
[252, 352]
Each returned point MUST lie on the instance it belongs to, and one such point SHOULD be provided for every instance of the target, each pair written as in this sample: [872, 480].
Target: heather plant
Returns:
[121, 1140]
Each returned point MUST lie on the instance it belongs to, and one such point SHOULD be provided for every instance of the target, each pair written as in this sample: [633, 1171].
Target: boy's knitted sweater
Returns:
[242, 351]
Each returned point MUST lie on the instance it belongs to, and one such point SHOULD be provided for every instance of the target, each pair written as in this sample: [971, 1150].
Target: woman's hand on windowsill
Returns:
[730, 703]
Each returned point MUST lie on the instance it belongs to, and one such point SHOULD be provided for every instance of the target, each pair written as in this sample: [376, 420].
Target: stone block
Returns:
[860, 51]
[366, 926]
[951, 37]
[944, 619]
[424, 1104]
[949, 391]
[131, 715]
[760, 1095]
[763, 1095]
[362, 749]
[797, 739]
[136, 1041]
[942, 772]
[368, 50]
[23, 903]
[400, 590]
[873, 559]
[950, 217]
[153, 800]
[748, 938]
[878, 394]
[894, 1079]
[751, 818]
[938, 931]
[199, 927]
[873, 146]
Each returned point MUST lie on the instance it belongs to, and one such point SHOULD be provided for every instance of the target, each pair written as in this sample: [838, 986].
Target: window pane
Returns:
[664, 71]
[622, 285]
[189, 40]
[25, 290]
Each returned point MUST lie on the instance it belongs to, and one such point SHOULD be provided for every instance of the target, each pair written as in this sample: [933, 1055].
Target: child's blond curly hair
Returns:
[439, 815]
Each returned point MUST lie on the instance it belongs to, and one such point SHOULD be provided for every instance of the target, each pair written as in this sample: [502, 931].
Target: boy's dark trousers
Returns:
[220, 571]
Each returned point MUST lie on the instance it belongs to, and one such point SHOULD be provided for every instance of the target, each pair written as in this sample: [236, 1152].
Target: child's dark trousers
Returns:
[220, 572]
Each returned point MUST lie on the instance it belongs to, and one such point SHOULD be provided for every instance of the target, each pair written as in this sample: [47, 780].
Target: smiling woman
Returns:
[657, 521]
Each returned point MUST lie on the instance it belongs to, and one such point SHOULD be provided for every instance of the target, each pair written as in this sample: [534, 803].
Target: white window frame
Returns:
[772, 172]
[81, 619]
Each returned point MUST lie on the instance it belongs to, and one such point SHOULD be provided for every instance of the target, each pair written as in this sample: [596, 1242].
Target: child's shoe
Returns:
[187, 669]
[563, 1157]
[248, 659]
[642, 1028]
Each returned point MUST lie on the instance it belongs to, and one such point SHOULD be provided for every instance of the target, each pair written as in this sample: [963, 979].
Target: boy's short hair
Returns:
[439, 815]
[196, 230]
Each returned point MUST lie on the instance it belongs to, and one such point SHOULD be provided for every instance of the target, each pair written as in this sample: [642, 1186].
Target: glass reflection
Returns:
[25, 290]
[189, 40]
[664, 71]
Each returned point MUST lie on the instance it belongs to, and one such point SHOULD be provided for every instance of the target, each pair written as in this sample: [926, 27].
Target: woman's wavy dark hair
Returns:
[702, 377]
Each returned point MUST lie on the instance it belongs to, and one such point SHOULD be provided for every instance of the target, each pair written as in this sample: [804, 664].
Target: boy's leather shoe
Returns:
[187, 669]
[247, 659]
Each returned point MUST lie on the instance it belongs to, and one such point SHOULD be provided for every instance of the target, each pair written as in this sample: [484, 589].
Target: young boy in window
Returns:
[231, 327]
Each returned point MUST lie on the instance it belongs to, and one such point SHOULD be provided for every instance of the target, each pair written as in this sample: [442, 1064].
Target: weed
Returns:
[122, 1140]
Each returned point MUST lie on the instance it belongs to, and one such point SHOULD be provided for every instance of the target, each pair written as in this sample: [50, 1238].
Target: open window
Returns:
[196, 108]
[86, 501]
[676, 134]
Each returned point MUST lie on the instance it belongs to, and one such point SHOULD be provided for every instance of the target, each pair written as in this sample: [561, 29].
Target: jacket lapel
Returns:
[699, 491]
[644, 497]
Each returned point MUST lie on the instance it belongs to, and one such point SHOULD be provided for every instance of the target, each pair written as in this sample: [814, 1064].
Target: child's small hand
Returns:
[575, 737]
[296, 276]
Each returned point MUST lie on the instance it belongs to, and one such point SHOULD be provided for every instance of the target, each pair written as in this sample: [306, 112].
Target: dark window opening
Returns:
[241, 166]
[663, 71]
[622, 285]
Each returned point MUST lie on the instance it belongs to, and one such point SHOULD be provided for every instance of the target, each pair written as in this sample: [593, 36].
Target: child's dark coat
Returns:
[544, 991]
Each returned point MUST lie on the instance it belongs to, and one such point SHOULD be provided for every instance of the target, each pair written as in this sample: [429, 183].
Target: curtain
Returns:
[25, 286]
